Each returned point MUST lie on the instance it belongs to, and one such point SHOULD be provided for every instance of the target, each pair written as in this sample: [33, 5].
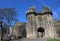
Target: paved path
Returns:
[26, 39]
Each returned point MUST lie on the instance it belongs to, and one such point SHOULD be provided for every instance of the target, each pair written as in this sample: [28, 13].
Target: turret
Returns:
[46, 10]
[31, 10]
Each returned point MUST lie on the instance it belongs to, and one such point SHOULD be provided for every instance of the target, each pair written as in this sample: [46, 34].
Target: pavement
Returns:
[27, 39]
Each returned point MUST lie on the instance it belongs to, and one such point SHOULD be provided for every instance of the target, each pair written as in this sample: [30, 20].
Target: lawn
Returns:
[53, 39]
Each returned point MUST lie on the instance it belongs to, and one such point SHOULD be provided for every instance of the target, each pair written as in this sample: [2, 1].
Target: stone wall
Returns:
[19, 30]
[42, 19]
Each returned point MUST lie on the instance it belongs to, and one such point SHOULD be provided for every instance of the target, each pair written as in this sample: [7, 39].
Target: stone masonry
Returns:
[39, 24]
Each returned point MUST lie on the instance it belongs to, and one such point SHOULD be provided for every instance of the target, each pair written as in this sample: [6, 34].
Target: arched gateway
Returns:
[41, 32]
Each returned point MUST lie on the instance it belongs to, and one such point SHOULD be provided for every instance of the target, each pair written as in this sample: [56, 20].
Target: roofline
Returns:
[39, 13]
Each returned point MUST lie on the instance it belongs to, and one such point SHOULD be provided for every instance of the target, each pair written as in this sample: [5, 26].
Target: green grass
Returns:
[53, 39]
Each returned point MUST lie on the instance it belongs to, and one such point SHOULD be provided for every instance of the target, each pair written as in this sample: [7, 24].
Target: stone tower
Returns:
[39, 24]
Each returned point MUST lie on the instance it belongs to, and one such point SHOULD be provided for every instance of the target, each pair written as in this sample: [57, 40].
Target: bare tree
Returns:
[9, 14]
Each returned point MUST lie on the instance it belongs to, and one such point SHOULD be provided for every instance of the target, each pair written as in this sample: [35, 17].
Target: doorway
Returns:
[41, 32]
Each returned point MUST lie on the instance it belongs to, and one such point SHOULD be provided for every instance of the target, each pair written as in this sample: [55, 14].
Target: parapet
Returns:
[31, 10]
[45, 9]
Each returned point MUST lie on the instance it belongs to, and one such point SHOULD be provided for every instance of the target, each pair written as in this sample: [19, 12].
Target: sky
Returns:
[22, 6]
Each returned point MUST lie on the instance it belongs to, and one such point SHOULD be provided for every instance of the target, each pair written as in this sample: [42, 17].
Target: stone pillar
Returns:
[34, 26]
[50, 26]
[31, 23]
[31, 27]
